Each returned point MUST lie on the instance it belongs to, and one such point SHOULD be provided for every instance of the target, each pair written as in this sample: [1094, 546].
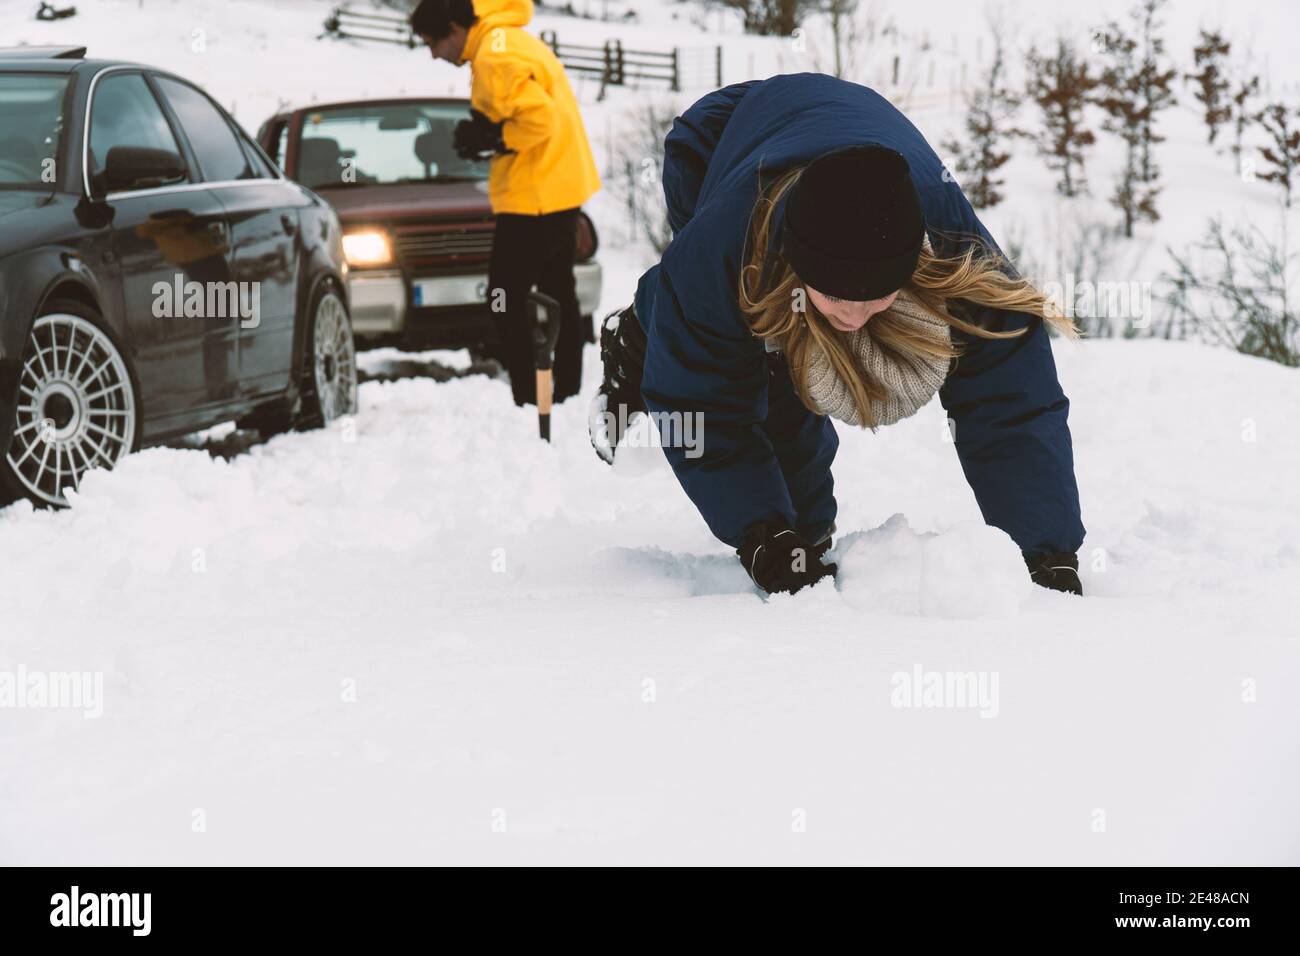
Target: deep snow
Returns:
[424, 636]
[534, 635]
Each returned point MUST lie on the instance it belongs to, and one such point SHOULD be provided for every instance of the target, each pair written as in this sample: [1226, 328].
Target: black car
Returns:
[158, 274]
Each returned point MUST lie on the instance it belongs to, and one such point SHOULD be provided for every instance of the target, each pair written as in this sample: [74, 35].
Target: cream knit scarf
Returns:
[911, 380]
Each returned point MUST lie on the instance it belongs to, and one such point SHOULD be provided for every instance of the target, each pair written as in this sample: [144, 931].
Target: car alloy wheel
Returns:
[76, 407]
[334, 365]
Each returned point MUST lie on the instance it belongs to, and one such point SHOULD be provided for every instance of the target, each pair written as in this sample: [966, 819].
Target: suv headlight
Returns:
[367, 247]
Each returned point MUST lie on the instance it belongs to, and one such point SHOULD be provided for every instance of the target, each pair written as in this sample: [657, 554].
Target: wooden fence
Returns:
[380, 27]
[616, 65]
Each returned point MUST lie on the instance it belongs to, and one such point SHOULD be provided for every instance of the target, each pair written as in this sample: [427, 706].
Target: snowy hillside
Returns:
[426, 637]
[256, 57]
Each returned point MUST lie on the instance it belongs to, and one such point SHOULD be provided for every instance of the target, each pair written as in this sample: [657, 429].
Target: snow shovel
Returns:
[546, 332]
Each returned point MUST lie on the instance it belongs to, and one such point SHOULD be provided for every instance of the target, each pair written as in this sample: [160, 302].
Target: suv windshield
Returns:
[372, 145]
[31, 126]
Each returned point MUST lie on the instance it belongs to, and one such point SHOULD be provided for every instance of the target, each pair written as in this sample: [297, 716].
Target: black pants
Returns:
[530, 251]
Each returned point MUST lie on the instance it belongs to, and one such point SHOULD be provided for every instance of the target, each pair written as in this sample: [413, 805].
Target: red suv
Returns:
[417, 224]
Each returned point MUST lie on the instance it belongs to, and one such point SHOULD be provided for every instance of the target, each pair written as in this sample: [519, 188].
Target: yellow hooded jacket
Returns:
[518, 79]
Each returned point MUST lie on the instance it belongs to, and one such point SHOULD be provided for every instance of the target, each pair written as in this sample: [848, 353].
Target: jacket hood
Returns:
[492, 14]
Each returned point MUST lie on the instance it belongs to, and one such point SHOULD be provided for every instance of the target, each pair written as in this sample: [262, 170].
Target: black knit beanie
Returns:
[853, 224]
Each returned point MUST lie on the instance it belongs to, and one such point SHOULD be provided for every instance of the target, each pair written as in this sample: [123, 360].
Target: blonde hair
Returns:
[768, 288]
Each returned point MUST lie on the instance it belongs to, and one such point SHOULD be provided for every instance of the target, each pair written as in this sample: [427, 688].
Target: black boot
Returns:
[1057, 572]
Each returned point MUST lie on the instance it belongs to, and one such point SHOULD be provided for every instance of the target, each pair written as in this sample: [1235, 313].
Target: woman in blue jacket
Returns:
[823, 264]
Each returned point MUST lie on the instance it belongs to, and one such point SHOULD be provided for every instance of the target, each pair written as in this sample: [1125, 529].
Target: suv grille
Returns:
[444, 243]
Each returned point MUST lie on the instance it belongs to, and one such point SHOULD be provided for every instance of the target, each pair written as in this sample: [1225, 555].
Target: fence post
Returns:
[612, 74]
[718, 64]
[604, 75]
[607, 74]
[677, 77]
[549, 38]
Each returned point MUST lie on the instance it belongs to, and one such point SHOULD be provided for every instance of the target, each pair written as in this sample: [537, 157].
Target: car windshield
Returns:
[31, 126]
[376, 145]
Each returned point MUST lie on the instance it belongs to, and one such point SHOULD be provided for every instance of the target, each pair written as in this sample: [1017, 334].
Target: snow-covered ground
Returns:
[373, 644]
[425, 636]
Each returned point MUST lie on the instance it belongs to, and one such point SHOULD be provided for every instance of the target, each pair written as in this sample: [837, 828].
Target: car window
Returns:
[261, 168]
[218, 150]
[31, 127]
[384, 143]
[274, 138]
[126, 113]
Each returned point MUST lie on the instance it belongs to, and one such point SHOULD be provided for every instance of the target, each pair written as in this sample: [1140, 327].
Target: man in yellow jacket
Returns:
[525, 116]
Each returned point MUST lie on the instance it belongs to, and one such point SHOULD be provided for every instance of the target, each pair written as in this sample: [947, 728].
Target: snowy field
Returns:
[366, 646]
[423, 636]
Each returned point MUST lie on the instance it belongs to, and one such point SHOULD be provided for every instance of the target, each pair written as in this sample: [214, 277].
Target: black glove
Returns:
[1058, 572]
[824, 543]
[478, 137]
[780, 559]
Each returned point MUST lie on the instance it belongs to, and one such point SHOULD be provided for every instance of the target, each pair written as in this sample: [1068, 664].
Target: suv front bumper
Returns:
[383, 301]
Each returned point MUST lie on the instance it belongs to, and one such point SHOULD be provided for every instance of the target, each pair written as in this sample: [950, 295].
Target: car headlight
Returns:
[369, 247]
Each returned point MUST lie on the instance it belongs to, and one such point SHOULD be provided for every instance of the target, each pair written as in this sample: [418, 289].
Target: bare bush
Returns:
[846, 31]
[770, 17]
[1235, 288]
[1120, 101]
[984, 150]
[1243, 113]
[1084, 266]
[1283, 151]
[1154, 78]
[637, 174]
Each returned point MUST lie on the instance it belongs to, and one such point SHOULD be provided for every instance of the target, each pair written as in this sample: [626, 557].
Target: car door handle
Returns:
[290, 224]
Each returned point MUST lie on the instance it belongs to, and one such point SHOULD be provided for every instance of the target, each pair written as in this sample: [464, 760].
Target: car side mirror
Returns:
[139, 167]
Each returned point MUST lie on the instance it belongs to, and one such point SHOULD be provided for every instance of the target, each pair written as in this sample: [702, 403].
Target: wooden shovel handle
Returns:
[544, 391]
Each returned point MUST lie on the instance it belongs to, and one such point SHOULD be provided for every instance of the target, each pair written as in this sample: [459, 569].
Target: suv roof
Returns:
[370, 101]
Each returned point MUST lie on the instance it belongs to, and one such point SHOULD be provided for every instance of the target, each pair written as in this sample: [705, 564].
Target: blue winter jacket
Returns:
[765, 456]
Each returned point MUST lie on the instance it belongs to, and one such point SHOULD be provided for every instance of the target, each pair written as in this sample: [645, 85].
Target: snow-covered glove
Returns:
[1058, 572]
[618, 400]
[780, 559]
[478, 137]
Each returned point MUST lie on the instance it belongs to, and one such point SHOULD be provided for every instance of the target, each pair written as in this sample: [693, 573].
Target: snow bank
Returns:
[968, 571]
[972, 570]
